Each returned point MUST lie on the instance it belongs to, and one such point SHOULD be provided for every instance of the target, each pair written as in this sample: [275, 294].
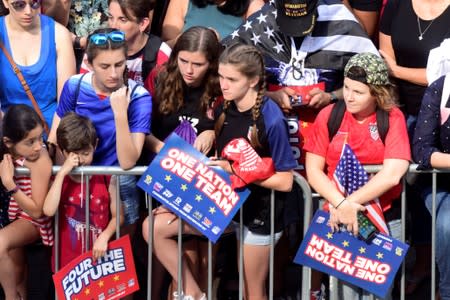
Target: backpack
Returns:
[337, 114]
[150, 55]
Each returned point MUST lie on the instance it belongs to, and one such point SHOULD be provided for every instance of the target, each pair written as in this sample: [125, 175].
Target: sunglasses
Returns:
[20, 5]
[102, 38]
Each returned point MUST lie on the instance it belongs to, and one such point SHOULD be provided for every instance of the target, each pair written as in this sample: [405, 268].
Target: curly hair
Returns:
[170, 84]
[249, 62]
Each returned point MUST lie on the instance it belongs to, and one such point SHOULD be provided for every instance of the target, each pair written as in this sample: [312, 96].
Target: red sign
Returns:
[111, 277]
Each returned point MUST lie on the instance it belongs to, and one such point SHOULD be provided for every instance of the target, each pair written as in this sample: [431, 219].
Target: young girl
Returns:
[77, 140]
[120, 109]
[366, 90]
[246, 113]
[22, 145]
[186, 91]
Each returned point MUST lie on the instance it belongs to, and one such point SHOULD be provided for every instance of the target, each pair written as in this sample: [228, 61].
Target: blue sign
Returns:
[371, 266]
[201, 195]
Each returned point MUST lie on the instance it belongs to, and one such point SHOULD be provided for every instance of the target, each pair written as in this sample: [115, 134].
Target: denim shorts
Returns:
[129, 195]
[251, 238]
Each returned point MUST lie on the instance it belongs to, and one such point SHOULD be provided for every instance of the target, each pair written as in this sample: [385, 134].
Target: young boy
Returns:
[77, 139]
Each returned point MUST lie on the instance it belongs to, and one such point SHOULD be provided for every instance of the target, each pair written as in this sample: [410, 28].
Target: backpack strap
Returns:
[151, 50]
[335, 119]
[445, 111]
[382, 123]
[77, 91]
[337, 114]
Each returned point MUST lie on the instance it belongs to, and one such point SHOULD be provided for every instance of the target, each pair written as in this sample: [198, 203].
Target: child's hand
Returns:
[120, 100]
[100, 247]
[7, 172]
[72, 161]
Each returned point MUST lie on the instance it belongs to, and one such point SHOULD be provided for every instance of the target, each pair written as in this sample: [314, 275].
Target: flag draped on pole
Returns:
[349, 176]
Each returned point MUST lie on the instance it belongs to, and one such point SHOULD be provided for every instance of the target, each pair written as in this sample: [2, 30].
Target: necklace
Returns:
[421, 33]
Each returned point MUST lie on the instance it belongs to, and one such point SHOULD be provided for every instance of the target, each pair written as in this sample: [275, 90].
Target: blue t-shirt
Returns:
[41, 77]
[89, 104]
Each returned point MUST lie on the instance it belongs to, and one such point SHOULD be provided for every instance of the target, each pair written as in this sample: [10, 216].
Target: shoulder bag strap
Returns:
[25, 86]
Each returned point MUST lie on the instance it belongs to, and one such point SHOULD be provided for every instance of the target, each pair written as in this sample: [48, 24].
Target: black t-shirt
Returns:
[164, 125]
[400, 22]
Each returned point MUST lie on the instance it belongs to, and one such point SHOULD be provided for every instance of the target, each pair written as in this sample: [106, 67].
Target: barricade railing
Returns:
[308, 196]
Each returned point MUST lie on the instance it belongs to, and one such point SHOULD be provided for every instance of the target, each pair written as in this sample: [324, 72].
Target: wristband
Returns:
[14, 190]
[342, 201]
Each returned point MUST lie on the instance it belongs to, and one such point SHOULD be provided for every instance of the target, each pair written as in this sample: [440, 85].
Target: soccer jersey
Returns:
[364, 140]
[89, 104]
[72, 215]
[273, 136]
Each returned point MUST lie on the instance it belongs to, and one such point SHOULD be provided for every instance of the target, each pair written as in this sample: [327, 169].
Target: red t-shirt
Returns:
[365, 142]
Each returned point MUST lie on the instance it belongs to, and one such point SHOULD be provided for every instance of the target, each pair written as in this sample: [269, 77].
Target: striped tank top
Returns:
[44, 224]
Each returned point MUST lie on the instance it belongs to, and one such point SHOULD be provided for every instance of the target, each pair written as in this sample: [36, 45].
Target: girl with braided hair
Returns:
[247, 113]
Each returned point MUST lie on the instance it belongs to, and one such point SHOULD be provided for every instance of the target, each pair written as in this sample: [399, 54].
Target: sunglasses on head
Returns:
[20, 5]
[102, 38]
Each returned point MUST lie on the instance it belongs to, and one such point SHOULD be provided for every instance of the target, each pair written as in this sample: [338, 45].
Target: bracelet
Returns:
[342, 201]
[14, 190]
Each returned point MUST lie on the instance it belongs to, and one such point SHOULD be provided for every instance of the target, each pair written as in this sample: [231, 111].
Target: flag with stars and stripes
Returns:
[349, 176]
[336, 37]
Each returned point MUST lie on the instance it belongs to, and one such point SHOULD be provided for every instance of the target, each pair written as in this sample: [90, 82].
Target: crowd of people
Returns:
[92, 83]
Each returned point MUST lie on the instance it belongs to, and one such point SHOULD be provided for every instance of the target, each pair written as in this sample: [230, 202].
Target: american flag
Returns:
[349, 176]
[336, 37]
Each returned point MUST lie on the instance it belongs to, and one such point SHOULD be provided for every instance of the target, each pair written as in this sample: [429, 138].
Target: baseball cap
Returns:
[296, 17]
[374, 69]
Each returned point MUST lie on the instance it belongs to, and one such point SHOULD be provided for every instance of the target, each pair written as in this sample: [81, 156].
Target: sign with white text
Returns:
[371, 266]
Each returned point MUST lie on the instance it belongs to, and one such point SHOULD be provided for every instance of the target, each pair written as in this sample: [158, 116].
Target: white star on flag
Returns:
[278, 47]
[248, 25]
[262, 18]
[255, 38]
[269, 31]
[234, 34]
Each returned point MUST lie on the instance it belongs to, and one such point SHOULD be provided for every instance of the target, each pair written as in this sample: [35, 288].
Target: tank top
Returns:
[211, 16]
[44, 224]
[41, 77]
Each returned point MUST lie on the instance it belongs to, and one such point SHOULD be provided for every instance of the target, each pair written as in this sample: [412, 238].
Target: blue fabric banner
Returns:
[371, 266]
[201, 195]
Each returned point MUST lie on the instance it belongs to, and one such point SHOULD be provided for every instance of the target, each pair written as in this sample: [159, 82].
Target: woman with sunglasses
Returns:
[41, 49]
[119, 108]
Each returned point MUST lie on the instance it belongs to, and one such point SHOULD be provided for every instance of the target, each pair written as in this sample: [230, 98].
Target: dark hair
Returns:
[92, 50]
[139, 8]
[236, 8]
[17, 122]
[170, 83]
[249, 62]
[75, 133]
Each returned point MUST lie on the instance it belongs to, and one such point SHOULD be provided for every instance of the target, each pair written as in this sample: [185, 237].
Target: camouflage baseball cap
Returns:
[374, 70]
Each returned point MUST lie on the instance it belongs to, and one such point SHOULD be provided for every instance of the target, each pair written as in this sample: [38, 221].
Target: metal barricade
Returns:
[308, 210]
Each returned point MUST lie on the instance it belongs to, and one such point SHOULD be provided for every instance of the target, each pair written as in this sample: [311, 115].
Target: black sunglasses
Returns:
[20, 5]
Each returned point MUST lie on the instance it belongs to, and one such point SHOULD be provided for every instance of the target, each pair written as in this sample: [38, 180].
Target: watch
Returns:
[333, 97]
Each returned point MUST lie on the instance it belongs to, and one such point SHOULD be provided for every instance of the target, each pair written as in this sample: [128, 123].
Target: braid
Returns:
[256, 110]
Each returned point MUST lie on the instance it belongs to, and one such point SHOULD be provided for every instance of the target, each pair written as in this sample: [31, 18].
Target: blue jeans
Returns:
[130, 198]
[442, 236]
